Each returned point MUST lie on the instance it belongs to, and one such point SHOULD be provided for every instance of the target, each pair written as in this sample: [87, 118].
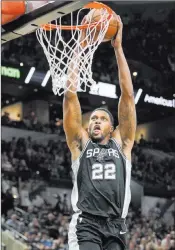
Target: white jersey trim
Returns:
[128, 167]
[85, 147]
[76, 163]
[119, 147]
[127, 197]
[72, 236]
[75, 167]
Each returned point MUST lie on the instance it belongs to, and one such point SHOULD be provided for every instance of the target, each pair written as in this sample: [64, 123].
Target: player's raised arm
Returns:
[72, 118]
[126, 110]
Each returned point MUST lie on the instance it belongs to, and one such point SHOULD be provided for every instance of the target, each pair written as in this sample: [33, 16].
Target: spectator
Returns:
[5, 119]
[142, 141]
[14, 223]
[34, 224]
[7, 202]
[6, 165]
[24, 197]
[65, 205]
[58, 243]
[38, 201]
[45, 241]
[50, 220]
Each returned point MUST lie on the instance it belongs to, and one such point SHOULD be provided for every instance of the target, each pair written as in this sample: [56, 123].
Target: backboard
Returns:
[28, 23]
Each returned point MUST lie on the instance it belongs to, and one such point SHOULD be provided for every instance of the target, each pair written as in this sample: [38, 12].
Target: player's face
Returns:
[99, 125]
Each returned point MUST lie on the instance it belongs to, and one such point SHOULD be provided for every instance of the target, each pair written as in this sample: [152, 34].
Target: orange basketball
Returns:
[95, 15]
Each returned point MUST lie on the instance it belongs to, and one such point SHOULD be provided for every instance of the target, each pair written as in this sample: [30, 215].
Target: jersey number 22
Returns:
[100, 171]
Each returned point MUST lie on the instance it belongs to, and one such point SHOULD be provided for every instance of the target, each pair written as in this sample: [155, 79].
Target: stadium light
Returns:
[134, 73]
[30, 74]
[46, 78]
[138, 95]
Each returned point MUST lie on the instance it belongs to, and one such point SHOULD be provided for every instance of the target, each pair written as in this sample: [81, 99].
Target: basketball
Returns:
[95, 15]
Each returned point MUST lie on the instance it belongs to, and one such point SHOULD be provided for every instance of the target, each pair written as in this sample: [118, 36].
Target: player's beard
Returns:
[96, 138]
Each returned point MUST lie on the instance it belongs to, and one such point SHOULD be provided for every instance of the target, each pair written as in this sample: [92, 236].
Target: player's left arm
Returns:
[126, 109]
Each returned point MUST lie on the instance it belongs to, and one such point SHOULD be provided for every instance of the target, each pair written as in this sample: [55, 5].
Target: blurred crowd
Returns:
[154, 43]
[31, 122]
[149, 170]
[47, 228]
[153, 40]
[27, 159]
[149, 232]
[43, 226]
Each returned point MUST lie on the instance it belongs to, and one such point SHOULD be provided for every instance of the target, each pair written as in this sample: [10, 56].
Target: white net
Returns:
[71, 63]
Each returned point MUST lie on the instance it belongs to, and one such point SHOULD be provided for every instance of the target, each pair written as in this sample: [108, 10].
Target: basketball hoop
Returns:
[60, 52]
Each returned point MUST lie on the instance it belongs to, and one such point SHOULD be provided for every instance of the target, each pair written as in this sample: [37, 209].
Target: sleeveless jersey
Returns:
[102, 180]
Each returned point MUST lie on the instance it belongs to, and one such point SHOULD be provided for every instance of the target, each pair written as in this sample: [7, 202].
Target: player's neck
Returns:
[104, 141]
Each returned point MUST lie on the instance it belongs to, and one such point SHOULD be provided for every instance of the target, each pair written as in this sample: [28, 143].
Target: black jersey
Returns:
[102, 180]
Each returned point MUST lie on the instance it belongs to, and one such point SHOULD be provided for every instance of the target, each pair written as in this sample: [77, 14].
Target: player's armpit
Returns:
[117, 136]
[72, 123]
[127, 123]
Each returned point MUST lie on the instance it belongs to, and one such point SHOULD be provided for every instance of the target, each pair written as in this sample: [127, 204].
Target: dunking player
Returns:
[101, 162]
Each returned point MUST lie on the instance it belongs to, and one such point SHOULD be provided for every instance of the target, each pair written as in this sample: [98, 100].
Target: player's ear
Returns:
[112, 129]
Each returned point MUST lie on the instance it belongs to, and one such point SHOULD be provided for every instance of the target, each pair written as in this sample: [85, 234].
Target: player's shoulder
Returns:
[79, 145]
[116, 143]
[126, 154]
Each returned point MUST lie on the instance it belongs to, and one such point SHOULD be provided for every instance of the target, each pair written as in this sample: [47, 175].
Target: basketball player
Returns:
[101, 163]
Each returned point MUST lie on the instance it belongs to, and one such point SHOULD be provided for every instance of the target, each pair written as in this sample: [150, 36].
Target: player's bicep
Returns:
[127, 121]
[72, 119]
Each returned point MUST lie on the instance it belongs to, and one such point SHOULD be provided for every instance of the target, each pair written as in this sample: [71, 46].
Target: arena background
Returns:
[36, 169]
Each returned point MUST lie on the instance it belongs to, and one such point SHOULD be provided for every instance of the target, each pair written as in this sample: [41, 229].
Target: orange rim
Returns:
[93, 5]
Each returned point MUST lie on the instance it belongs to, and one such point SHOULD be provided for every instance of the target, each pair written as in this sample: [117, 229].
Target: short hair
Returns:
[108, 112]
